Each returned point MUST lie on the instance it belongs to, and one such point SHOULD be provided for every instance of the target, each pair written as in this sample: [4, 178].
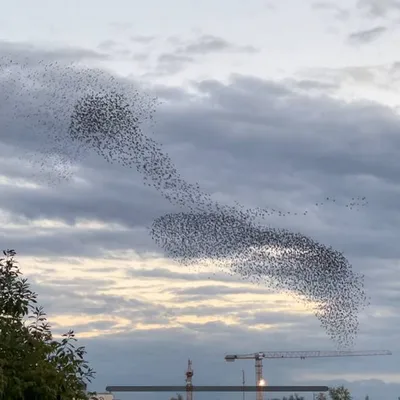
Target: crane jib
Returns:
[258, 357]
[306, 354]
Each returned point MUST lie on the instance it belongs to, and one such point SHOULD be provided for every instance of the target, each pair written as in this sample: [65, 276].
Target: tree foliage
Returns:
[339, 393]
[178, 397]
[33, 365]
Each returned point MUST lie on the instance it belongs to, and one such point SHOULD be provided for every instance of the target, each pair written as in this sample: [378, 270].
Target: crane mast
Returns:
[258, 357]
[189, 375]
[259, 377]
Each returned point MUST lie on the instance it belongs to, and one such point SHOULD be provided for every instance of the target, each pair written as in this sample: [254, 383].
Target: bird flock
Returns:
[106, 115]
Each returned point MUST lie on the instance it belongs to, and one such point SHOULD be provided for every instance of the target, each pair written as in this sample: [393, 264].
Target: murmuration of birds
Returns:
[106, 116]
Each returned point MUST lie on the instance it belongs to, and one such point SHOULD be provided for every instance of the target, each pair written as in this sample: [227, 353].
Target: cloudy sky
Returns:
[274, 104]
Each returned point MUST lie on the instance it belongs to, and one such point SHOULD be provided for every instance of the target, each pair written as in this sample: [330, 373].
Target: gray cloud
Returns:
[285, 321]
[338, 12]
[208, 44]
[28, 52]
[267, 134]
[378, 8]
[188, 52]
[217, 290]
[198, 130]
[384, 77]
[80, 297]
[83, 298]
[270, 5]
[108, 45]
[367, 36]
[126, 50]
[312, 87]
[170, 63]
[121, 50]
[310, 84]
[157, 273]
[121, 26]
[143, 39]
[252, 140]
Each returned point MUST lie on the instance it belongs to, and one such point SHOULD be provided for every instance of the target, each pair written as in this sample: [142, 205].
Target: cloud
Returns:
[170, 63]
[143, 39]
[383, 79]
[378, 8]
[125, 51]
[107, 45]
[216, 290]
[209, 44]
[173, 275]
[312, 87]
[263, 143]
[27, 52]
[338, 12]
[185, 53]
[250, 104]
[121, 26]
[367, 36]
[264, 133]
[270, 5]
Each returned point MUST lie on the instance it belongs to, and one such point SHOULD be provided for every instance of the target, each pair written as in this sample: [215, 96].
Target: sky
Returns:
[275, 104]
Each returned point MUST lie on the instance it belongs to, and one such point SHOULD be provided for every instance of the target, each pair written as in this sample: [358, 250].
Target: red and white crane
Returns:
[189, 386]
[258, 357]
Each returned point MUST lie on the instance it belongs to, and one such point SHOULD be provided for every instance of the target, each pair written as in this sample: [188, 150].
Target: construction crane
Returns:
[258, 357]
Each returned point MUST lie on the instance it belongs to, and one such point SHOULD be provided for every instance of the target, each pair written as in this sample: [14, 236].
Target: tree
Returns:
[34, 366]
[178, 397]
[339, 393]
[296, 397]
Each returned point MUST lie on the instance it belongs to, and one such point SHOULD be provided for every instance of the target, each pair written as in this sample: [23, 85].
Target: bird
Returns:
[80, 110]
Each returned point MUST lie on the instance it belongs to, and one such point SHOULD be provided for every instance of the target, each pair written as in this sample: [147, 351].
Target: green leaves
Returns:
[339, 393]
[32, 364]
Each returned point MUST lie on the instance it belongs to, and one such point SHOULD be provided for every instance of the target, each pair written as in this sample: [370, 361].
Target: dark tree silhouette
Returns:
[33, 365]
